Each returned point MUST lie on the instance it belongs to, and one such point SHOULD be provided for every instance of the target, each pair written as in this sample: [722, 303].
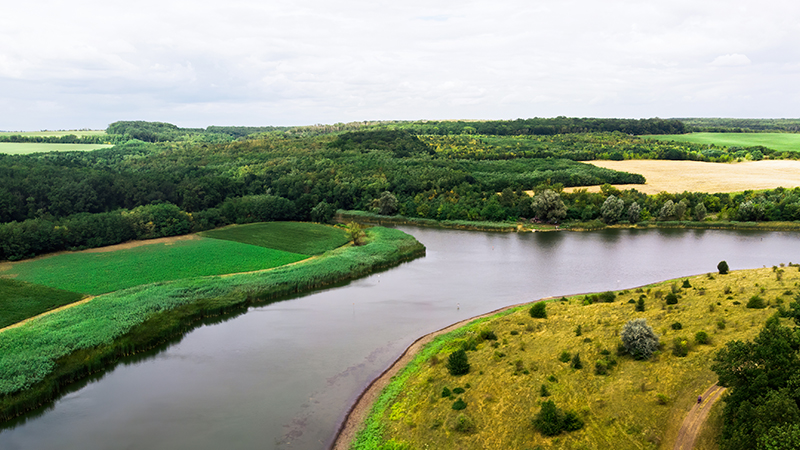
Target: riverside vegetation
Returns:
[48, 352]
[570, 369]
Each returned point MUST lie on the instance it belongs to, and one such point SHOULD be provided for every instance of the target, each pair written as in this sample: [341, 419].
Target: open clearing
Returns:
[294, 237]
[776, 141]
[696, 176]
[638, 404]
[15, 148]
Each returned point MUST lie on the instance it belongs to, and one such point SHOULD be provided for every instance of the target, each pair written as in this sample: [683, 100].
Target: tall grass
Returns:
[20, 300]
[38, 358]
[295, 237]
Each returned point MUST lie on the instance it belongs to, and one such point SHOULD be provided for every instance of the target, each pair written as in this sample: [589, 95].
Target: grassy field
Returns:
[637, 405]
[696, 176]
[775, 141]
[20, 300]
[14, 148]
[79, 133]
[295, 237]
[93, 272]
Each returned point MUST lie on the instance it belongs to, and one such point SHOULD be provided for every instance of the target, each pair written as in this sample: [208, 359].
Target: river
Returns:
[283, 375]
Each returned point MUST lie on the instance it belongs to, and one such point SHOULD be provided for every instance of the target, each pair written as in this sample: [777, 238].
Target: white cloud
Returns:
[734, 59]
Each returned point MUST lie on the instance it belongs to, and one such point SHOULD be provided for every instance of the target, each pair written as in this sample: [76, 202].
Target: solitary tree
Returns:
[639, 338]
[355, 233]
[457, 363]
[612, 209]
[539, 310]
[722, 267]
[548, 206]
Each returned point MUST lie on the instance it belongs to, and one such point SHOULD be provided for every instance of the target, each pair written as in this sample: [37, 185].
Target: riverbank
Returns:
[42, 356]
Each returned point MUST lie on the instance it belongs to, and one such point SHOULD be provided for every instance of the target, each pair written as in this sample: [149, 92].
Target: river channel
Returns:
[283, 375]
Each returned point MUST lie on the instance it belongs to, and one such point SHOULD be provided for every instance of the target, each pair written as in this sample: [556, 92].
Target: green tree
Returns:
[639, 338]
[700, 212]
[458, 363]
[548, 206]
[539, 310]
[667, 211]
[612, 209]
[722, 267]
[634, 213]
[356, 233]
[387, 204]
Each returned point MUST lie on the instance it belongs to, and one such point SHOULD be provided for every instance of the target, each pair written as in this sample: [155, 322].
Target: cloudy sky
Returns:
[297, 62]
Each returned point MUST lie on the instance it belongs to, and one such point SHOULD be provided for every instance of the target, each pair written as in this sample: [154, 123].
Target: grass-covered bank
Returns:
[518, 361]
[40, 357]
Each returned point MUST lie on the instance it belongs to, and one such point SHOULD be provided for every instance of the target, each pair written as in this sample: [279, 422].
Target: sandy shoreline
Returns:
[363, 405]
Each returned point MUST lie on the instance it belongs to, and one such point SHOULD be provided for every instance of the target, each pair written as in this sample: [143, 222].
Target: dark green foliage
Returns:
[676, 326]
[756, 302]
[639, 305]
[603, 366]
[401, 143]
[446, 392]
[458, 390]
[20, 300]
[722, 267]
[680, 346]
[686, 284]
[565, 356]
[387, 204]
[457, 363]
[701, 338]
[459, 404]
[544, 391]
[548, 206]
[487, 335]
[551, 421]
[578, 331]
[552, 379]
[607, 297]
[539, 310]
[639, 339]
[671, 298]
[576, 362]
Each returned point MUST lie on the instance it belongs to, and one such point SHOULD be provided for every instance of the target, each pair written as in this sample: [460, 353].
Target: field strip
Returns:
[697, 176]
[697, 417]
[60, 308]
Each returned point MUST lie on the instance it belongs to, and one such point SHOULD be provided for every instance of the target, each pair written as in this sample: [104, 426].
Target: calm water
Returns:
[282, 376]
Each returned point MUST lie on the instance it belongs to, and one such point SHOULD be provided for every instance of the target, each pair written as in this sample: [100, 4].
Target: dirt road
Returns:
[696, 417]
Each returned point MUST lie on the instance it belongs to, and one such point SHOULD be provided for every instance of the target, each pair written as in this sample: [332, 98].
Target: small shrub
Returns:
[578, 331]
[756, 302]
[457, 363]
[680, 347]
[459, 404]
[576, 361]
[686, 284]
[487, 335]
[701, 338]
[662, 399]
[640, 305]
[722, 267]
[572, 421]
[464, 424]
[550, 421]
[543, 391]
[727, 290]
[601, 367]
[539, 310]
[565, 356]
[607, 297]
[458, 391]
[514, 332]
[672, 299]
[639, 339]
[446, 392]
[721, 324]
[677, 326]
[552, 379]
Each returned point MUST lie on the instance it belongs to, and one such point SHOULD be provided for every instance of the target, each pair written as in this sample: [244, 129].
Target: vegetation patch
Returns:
[24, 148]
[789, 142]
[20, 300]
[619, 402]
[102, 272]
[294, 237]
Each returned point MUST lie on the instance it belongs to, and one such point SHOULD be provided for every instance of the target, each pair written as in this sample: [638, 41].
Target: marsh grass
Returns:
[622, 409]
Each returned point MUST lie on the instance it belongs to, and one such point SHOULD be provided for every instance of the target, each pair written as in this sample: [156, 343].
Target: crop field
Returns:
[696, 176]
[775, 141]
[15, 148]
[79, 133]
[294, 237]
[636, 404]
[93, 272]
[20, 300]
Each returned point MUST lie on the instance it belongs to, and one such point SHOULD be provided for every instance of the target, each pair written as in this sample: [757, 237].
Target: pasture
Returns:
[294, 237]
[20, 300]
[635, 404]
[696, 176]
[58, 133]
[23, 148]
[789, 142]
[97, 272]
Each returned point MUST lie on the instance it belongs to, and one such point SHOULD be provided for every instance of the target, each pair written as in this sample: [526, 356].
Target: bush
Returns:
[458, 390]
[722, 267]
[578, 331]
[601, 367]
[457, 363]
[680, 347]
[686, 284]
[543, 391]
[639, 339]
[564, 356]
[464, 424]
[607, 297]
[550, 421]
[539, 310]
[445, 392]
[639, 305]
[756, 302]
[487, 335]
[677, 326]
[576, 361]
[459, 404]
[672, 299]
[662, 399]
[701, 338]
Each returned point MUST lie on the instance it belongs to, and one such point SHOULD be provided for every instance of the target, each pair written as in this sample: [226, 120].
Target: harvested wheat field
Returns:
[696, 176]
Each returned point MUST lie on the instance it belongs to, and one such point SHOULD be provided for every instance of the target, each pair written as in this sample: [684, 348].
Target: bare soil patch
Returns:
[696, 417]
[696, 176]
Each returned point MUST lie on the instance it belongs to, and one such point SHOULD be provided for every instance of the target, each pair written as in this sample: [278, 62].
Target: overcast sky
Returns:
[296, 62]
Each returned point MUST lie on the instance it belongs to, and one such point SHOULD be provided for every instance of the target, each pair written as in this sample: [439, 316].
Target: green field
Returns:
[79, 133]
[789, 142]
[20, 300]
[294, 237]
[101, 272]
[16, 148]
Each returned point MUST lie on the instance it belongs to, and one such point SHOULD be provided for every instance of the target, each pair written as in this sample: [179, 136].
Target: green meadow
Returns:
[22, 148]
[294, 237]
[777, 141]
[101, 272]
[46, 133]
[20, 300]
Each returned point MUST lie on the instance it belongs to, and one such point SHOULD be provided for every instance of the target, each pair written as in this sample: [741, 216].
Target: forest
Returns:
[162, 180]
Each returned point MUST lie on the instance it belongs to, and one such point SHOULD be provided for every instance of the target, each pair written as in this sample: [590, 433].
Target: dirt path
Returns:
[696, 417]
[60, 308]
[359, 411]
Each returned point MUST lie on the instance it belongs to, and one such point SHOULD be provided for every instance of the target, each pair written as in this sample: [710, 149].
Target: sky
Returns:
[74, 65]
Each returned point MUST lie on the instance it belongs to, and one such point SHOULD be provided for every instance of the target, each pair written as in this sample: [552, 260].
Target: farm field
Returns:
[696, 176]
[46, 133]
[22, 148]
[636, 404]
[294, 237]
[775, 141]
[97, 272]
[20, 300]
